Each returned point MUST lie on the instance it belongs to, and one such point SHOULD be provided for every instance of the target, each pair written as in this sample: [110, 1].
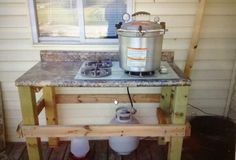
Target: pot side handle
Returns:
[141, 13]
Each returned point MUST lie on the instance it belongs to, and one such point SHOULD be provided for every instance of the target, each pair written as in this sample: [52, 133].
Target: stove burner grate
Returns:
[96, 69]
[99, 64]
[140, 74]
[94, 72]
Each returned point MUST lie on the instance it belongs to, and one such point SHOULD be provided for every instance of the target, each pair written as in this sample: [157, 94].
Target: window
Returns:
[76, 21]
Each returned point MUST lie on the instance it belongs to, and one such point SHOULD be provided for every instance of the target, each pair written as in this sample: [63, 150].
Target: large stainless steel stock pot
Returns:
[140, 42]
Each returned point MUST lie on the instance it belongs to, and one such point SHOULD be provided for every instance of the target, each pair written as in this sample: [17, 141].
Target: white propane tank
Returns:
[79, 147]
[124, 145]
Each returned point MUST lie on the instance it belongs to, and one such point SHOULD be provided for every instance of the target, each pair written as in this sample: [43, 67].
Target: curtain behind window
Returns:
[101, 16]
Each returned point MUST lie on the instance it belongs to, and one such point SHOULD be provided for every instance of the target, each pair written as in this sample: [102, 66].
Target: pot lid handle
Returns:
[140, 13]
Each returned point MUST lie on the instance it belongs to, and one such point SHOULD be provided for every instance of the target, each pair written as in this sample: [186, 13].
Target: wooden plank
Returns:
[112, 155]
[4, 154]
[29, 115]
[175, 148]
[131, 156]
[51, 111]
[91, 152]
[179, 100]
[157, 151]
[24, 155]
[165, 99]
[188, 129]
[143, 151]
[46, 150]
[104, 130]
[195, 38]
[106, 98]
[58, 153]
[17, 151]
[101, 148]
[9, 147]
[162, 117]
[2, 123]
[67, 152]
[164, 109]
[107, 90]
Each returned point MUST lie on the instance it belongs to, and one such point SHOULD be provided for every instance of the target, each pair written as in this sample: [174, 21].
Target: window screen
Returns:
[75, 21]
[101, 16]
[57, 18]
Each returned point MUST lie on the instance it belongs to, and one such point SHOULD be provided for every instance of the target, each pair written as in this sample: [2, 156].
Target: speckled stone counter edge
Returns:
[49, 58]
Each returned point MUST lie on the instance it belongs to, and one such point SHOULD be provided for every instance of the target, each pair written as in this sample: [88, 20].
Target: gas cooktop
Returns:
[91, 71]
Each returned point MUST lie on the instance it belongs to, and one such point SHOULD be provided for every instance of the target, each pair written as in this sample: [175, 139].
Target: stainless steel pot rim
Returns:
[143, 31]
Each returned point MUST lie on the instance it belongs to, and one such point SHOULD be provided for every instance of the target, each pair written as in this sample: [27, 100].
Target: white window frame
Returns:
[69, 40]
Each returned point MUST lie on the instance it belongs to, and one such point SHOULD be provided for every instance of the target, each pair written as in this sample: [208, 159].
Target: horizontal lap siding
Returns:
[211, 73]
[216, 51]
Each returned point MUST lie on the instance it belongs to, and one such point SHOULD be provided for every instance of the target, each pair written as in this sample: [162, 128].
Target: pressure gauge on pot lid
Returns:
[126, 17]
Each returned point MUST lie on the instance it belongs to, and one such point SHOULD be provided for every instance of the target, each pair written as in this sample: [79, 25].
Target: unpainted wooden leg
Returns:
[165, 106]
[165, 99]
[30, 117]
[179, 100]
[51, 112]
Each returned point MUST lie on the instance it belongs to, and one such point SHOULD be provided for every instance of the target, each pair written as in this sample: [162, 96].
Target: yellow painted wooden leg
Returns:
[30, 117]
[179, 102]
[51, 112]
[165, 106]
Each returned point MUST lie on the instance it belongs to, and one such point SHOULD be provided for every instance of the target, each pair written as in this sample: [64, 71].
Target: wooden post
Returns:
[30, 117]
[165, 106]
[165, 99]
[179, 100]
[195, 38]
[51, 112]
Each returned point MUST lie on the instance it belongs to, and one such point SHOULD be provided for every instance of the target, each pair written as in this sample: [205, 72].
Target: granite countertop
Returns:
[59, 69]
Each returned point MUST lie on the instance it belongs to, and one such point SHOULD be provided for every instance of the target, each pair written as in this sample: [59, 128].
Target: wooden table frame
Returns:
[173, 101]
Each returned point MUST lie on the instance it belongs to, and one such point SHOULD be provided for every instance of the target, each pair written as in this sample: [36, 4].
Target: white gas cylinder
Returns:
[124, 145]
[79, 147]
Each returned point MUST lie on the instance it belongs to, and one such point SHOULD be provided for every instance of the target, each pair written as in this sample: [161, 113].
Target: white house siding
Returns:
[211, 73]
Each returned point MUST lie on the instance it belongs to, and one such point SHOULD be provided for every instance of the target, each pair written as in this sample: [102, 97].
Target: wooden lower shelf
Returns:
[104, 130]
